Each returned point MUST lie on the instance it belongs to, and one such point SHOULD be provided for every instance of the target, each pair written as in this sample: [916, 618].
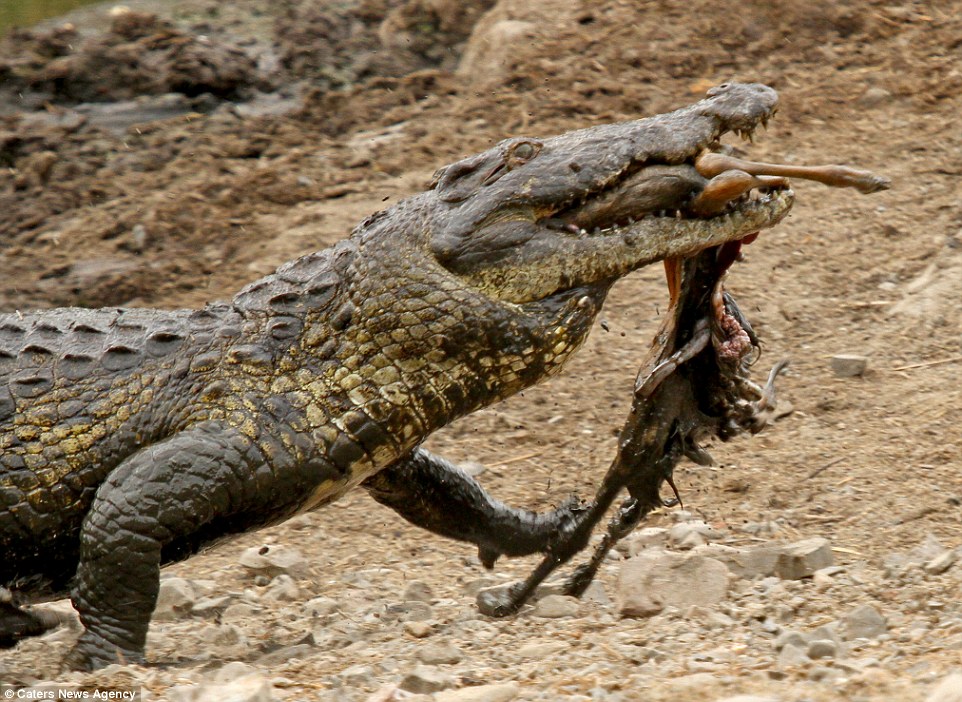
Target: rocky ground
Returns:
[168, 160]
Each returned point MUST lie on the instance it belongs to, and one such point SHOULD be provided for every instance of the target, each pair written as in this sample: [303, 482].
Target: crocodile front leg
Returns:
[434, 494]
[162, 504]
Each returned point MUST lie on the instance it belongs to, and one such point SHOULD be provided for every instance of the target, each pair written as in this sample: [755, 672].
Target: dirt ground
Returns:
[286, 123]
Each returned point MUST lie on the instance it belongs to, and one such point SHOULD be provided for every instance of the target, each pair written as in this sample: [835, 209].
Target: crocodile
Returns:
[131, 438]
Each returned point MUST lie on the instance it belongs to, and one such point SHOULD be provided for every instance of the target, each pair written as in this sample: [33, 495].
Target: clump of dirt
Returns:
[139, 54]
[337, 46]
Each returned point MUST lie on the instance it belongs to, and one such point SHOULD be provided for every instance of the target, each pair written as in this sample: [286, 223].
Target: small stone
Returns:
[410, 611]
[766, 528]
[949, 690]
[790, 637]
[685, 536]
[864, 622]
[224, 635]
[320, 606]
[138, 238]
[359, 675]
[238, 612]
[874, 96]
[175, 599]
[275, 560]
[233, 671]
[211, 606]
[502, 692]
[708, 618]
[656, 579]
[425, 680]
[419, 630]
[418, 591]
[536, 651]
[250, 688]
[827, 632]
[641, 539]
[287, 653]
[822, 648]
[792, 655]
[941, 563]
[439, 653]
[595, 593]
[556, 607]
[802, 558]
[748, 563]
[282, 589]
[849, 365]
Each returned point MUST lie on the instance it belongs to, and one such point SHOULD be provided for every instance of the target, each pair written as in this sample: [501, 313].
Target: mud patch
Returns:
[140, 54]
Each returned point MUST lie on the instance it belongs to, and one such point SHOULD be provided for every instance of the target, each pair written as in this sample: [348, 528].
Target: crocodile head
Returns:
[530, 218]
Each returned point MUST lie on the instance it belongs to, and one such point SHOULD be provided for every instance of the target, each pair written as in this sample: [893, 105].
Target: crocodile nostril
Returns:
[575, 167]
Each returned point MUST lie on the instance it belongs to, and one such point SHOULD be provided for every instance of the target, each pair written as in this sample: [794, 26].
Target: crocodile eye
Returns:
[522, 152]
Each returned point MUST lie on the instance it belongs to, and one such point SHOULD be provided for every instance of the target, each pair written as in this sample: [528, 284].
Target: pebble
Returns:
[656, 579]
[864, 622]
[419, 629]
[175, 598]
[556, 607]
[320, 606]
[874, 96]
[802, 558]
[411, 611]
[233, 671]
[250, 688]
[849, 365]
[949, 690]
[275, 560]
[359, 675]
[502, 692]
[790, 637]
[540, 649]
[425, 680]
[941, 563]
[822, 648]
[640, 539]
[239, 611]
[685, 536]
[211, 606]
[792, 655]
[287, 653]
[418, 591]
[223, 635]
[439, 653]
[792, 561]
[282, 589]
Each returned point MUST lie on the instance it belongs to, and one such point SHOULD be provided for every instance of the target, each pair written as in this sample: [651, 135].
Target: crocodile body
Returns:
[130, 438]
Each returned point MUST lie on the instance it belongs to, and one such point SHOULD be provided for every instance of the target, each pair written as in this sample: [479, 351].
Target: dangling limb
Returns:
[437, 495]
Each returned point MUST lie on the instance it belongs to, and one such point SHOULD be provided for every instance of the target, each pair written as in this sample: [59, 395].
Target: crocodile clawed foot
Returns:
[92, 652]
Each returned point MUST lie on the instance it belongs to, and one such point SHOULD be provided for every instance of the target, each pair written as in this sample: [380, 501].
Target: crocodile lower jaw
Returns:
[670, 236]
